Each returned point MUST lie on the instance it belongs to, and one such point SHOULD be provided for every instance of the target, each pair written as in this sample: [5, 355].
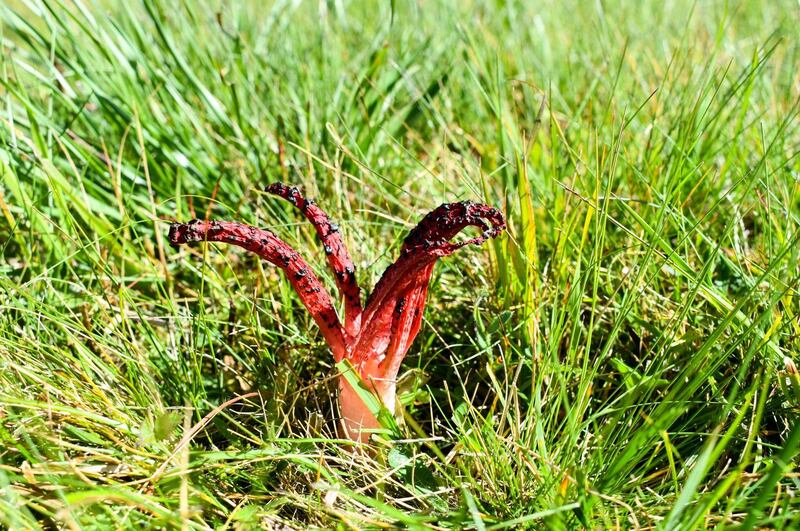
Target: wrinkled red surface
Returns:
[393, 313]
[338, 258]
[377, 337]
[265, 244]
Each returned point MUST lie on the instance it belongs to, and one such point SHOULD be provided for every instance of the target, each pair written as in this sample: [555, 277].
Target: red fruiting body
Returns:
[374, 338]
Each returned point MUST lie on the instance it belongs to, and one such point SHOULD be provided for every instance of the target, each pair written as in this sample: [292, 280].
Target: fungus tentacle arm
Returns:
[446, 221]
[265, 244]
[393, 313]
[406, 325]
[335, 251]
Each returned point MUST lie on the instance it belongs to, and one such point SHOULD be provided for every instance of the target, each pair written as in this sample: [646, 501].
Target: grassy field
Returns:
[624, 356]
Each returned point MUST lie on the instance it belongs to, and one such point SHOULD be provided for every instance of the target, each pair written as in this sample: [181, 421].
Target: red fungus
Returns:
[375, 338]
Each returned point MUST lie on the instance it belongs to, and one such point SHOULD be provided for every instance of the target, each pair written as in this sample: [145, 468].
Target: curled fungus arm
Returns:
[338, 258]
[265, 244]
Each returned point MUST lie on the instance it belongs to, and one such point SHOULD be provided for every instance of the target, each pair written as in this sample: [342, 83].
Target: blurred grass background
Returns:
[624, 357]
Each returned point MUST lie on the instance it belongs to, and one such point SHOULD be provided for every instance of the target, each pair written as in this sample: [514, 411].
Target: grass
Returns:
[624, 357]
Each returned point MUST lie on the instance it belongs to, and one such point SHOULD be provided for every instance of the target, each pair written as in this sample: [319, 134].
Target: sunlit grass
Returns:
[624, 357]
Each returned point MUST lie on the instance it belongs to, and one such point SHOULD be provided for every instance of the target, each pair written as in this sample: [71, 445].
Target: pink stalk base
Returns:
[356, 421]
